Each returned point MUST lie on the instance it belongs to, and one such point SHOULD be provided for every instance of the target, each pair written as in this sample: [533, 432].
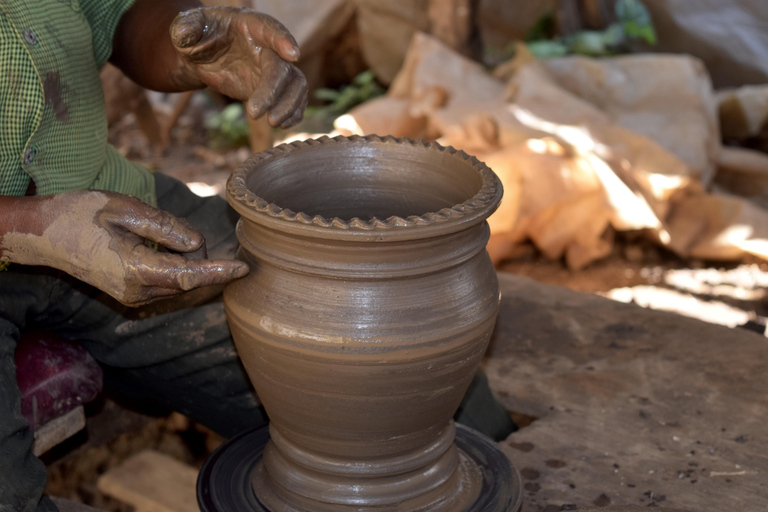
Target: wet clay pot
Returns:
[369, 305]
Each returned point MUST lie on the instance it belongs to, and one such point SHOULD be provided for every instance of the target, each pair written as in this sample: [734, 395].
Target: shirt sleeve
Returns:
[103, 16]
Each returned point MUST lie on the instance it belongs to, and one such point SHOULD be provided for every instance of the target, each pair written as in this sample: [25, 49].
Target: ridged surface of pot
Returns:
[361, 349]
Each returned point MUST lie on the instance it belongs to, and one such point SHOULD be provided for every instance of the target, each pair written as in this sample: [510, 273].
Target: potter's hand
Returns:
[99, 237]
[246, 56]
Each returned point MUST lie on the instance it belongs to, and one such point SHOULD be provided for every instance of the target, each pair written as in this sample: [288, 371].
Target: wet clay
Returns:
[244, 55]
[99, 237]
[368, 309]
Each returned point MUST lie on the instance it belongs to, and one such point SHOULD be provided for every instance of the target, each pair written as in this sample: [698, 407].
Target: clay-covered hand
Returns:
[100, 238]
[245, 55]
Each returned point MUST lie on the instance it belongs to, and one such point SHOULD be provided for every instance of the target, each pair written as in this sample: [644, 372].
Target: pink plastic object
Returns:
[54, 377]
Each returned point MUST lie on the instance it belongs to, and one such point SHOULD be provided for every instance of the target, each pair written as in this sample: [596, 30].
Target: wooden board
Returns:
[58, 430]
[634, 407]
[152, 482]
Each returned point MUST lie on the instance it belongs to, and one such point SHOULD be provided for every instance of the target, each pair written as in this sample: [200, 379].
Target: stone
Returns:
[633, 406]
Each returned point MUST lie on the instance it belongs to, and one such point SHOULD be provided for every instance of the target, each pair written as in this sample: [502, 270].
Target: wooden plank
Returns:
[259, 133]
[58, 430]
[635, 407]
[152, 482]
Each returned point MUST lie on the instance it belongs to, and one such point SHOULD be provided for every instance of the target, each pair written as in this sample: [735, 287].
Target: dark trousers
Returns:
[177, 353]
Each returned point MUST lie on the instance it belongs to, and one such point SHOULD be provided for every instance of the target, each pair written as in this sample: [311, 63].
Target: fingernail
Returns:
[187, 29]
[193, 243]
[293, 52]
[255, 108]
[242, 270]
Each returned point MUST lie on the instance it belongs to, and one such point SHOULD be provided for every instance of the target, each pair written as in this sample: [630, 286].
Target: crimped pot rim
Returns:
[461, 216]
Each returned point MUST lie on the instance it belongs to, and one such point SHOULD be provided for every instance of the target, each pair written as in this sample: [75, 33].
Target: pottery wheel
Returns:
[224, 483]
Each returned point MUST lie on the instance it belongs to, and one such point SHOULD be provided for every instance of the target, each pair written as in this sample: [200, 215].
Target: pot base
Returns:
[225, 483]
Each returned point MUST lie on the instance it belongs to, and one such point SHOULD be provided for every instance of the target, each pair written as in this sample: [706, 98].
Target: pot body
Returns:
[361, 351]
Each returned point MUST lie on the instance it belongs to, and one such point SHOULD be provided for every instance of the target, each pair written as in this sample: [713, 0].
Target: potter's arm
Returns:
[143, 49]
[98, 237]
[176, 45]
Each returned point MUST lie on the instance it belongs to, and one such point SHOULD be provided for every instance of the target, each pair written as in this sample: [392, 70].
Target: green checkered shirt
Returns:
[53, 127]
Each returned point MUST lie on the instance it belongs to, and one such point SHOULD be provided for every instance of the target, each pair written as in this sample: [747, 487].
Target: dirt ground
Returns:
[115, 433]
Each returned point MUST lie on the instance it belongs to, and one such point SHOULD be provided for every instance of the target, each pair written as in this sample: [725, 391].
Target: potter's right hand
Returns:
[99, 237]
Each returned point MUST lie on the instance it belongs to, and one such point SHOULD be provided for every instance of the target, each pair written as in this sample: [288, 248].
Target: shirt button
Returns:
[30, 37]
[29, 155]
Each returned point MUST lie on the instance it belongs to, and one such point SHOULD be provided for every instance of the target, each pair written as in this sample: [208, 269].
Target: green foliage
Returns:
[364, 87]
[633, 23]
[544, 28]
[635, 20]
[545, 49]
[588, 42]
[229, 128]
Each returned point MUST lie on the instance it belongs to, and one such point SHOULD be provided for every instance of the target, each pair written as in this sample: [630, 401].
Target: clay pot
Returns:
[369, 305]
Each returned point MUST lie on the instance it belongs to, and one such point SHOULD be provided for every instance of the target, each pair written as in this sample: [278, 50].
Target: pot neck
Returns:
[361, 259]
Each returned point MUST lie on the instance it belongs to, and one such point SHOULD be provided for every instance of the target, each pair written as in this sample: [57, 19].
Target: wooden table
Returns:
[633, 406]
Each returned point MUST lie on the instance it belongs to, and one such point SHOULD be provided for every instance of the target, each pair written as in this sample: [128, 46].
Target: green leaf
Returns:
[228, 128]
[544, 27]
[363, 88]
[588, 42]
[326, 94]
[232, 113]
[213, 122]
[547, 49]
[614, 35]
[636, 20]
[365, 78]
[645, 32]
[632, 11]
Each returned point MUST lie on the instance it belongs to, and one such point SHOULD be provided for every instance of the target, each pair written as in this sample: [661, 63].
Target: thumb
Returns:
[188, 28]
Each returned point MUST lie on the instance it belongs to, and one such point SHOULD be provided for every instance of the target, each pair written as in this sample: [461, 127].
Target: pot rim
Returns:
[445, 221]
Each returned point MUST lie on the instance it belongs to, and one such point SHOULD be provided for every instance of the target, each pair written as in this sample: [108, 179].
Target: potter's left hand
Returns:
[245, 55]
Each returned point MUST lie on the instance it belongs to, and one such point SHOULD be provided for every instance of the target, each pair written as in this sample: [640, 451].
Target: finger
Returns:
[188, 28]
[200, 35]
[157, 226]
[292, 100]
[295, 119]
[173, 271]
[199, 273]
[199, 254]
[145, 296]
[275, 76]
[274, 36]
